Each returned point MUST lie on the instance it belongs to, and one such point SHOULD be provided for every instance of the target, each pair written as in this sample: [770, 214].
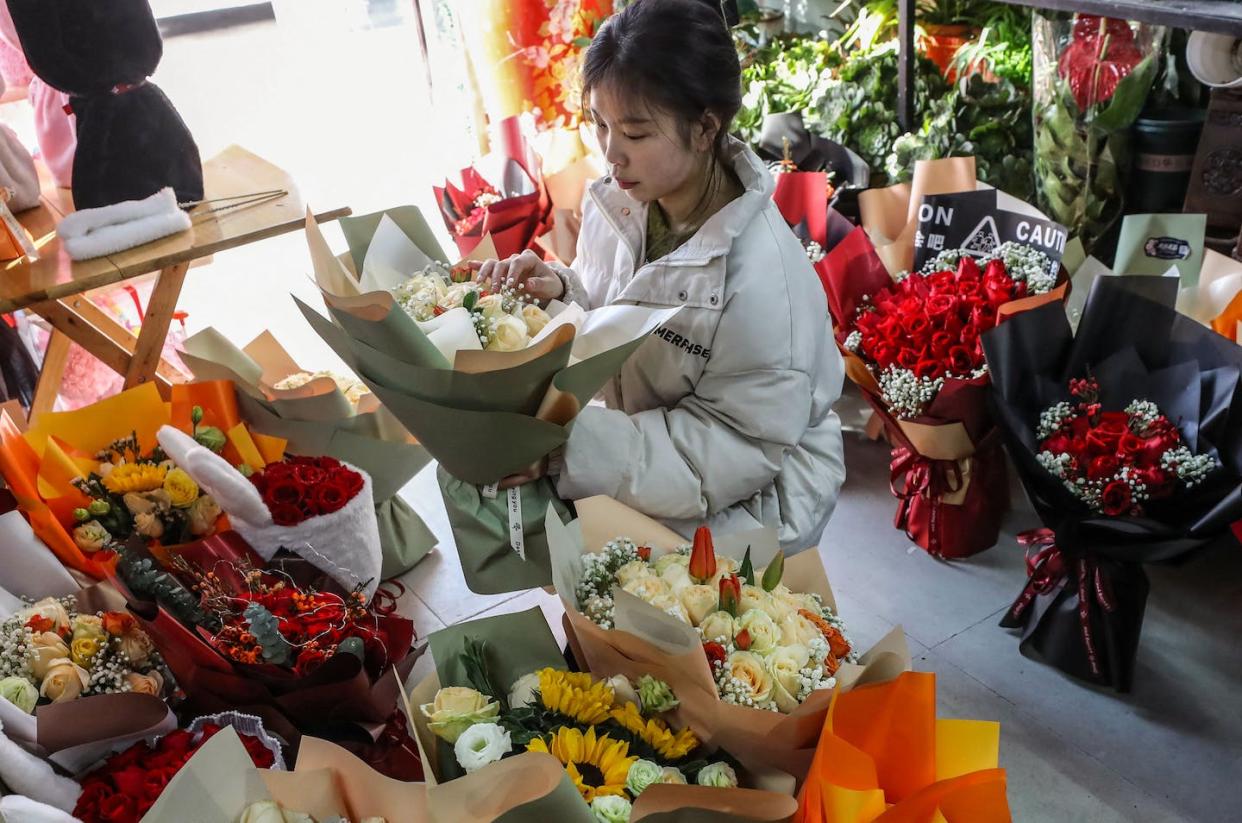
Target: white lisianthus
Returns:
[718, 776]
[509, 334]
[700, 601]
[480, 745]
[785, 664]
[718, 626]
[623, 690]
[764, 633]
[522, 694]
[634, 570]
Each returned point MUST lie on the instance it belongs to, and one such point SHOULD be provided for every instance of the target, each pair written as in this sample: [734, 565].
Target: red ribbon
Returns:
[1047, 568]
[923, 477]
[385, 601]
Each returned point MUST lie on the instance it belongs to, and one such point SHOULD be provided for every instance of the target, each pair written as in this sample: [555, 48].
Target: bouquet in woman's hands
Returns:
[1123, 437]
[484, 415]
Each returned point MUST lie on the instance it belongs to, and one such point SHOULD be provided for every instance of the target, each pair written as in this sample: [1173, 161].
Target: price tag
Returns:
[490, 490]
[516, 538]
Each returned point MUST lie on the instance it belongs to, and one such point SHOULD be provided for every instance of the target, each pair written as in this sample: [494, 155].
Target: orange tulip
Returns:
[703, 556]
[730, 593]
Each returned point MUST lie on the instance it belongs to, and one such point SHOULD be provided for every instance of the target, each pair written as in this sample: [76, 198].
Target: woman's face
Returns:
[646, 150]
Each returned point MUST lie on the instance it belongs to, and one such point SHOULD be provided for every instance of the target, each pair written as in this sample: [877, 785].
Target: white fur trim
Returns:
[17, 808]
[345, 544]
[26, 774]
[109, 229]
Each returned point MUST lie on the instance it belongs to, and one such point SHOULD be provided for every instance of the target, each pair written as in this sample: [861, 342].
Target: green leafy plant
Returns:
[266, 630]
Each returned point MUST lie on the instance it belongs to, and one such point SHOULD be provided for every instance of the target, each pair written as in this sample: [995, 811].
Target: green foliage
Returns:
[266, 630]
[149, 581]
[478, 672]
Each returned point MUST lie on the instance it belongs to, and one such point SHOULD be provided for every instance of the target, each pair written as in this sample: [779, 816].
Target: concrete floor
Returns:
[344, 107]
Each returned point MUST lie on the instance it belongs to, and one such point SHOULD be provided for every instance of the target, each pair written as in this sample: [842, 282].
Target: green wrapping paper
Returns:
[486, 416]
[318, 419]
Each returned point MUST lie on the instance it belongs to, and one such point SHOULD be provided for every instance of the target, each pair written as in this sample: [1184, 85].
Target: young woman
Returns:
[725, 416]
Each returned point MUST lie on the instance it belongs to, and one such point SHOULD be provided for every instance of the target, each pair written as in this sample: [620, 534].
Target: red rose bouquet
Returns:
[1117, 482]
[1114, 461]
[127, 785]
[299, 488]
[912, 346]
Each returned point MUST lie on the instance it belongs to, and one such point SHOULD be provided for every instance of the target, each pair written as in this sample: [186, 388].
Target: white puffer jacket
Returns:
[725, 415]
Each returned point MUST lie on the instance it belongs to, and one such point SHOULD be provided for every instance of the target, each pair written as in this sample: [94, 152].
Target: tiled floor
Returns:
[343, 107]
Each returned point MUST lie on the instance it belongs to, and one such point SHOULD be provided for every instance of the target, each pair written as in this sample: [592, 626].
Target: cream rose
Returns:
[785, 665]
[634, 570]
[136, 646]
[152, 684]
[748, 669]
[509, 334]
[677, 577]
[91, 536]
[45, 648]
[623, 690]
[457, 708]
[455, 294]
[724, 566]
[535, 318]
[492, 306]
[203, 515]
[646, 588]
[796, 630]
[718, 626]
[65, 681]
[149, 525]
[700, 601]
[665, 561]
[754, 597]
[48, 608]
[671, 604]
[522, 693]
[763, 631]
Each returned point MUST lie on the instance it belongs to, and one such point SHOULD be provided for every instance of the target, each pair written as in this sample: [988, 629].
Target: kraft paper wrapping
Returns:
[891, 215]
[646, 640]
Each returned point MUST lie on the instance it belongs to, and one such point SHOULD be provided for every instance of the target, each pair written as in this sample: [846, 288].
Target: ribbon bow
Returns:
[1047, 569]
[921, 476]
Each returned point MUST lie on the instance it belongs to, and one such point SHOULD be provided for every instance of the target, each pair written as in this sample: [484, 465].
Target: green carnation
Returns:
[656, 695]
[209, 437]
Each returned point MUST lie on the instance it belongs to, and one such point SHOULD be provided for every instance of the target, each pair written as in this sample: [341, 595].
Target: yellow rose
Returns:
[753, 597]
[645, 588]
[45, 648]
[718, 626]
[83, 650]
[48, 608]
[136, 646]
[669, 604]
[535, 317]
[457, 708]
[204, 512]
[796, 630]
[700, 601]
[785, 664]
[181, 488]
[764, 633]
[678, 578]
[508, 334]
[634, 570]
[65, 681]
[152, 684]
[149, 525]
[750, 672]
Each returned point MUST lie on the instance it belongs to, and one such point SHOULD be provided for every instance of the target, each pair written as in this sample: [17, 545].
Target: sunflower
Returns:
[576, 696]
[655, 732]
[598, 766]
[135, 477]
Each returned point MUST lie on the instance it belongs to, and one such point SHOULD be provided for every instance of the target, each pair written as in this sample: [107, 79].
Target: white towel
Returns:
[22, 772]
[110, 229]
[17, 809]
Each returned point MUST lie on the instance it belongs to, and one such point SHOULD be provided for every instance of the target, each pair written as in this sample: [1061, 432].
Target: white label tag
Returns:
[489, 491]
[19, 234]
[516, 537]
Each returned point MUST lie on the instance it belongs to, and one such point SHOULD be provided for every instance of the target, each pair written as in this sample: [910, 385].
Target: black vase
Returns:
[131, 140]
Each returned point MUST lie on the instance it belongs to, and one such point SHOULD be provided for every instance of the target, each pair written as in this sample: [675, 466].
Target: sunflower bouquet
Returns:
[610, 749]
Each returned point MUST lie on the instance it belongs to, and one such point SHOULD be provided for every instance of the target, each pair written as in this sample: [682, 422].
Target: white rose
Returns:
[718, 776]
[785, 665]
[753, 597]
[671, 604]
[796, 630]
[509, 334]
[492, 306]
[764, 633]
[724, 566]
[535, 318]
[48, 608]
[646, 588]
[718, 625]
[777, 609]
[456, 293]
[677, 577]
[481, 744]
[433, 283]
[634, 570]
[264, 811]
[523, 692]
[665, 561]
[623, 690]
[700, 601]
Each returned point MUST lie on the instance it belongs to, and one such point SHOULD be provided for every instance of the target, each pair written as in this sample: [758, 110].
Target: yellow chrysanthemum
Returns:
[135, 477]
[576, 696]
[597, 766]
[655, 732]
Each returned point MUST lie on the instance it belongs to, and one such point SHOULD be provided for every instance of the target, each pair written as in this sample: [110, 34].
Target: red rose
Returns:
[967, 268]
[327, 463]
[983, 317]
[942, 282]
[890, 329]
[351, 481]
[994, 269]
[310, 475]
[261, 755]
[1058, 443]
[929, 368]
[1105, 436]
[907, 359]
[916, 324]
[716, 654]
[94, 792]
[969, 290]
[1116, 498]
[286, 490]
[884, 355]
[1154, 447]
[286, 514]
[999, 289]
[940, 343]
[1130, 446]
[960, 360]
[328, 498]
[1103, 467]
[129, 780]
[1119, 421]
[118, 808]
[308, 661]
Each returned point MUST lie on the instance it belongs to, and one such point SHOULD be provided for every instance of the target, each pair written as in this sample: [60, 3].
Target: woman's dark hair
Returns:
[676, 55]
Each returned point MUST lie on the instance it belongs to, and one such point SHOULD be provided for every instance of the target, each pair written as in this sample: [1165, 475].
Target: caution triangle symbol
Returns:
[984, 239]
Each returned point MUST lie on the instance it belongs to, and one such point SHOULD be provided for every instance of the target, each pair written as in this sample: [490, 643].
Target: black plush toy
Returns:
[131, 141]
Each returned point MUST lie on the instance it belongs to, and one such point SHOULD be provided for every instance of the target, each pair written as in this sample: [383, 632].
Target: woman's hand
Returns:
[523, 272]
[530, 475]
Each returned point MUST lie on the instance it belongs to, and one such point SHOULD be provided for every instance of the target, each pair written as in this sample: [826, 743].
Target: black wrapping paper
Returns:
[1086, 619]
[131, 140]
